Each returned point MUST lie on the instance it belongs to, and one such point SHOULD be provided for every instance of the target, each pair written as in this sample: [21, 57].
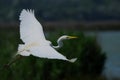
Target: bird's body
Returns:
[35, 43]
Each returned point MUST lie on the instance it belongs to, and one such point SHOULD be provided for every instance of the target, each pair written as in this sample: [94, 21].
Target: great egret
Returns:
[31, 33]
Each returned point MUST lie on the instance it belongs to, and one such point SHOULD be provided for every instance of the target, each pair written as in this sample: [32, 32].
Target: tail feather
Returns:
[72, 60]
[20, 47]
[21, 50]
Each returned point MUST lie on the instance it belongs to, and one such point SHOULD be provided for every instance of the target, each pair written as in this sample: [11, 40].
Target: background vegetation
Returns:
[52, 10]
[88, 66]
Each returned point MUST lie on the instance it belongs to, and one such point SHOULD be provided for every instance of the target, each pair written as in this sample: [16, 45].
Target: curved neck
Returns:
[60, 43]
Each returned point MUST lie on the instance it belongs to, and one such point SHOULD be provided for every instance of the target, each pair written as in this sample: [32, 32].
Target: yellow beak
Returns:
[72, 37]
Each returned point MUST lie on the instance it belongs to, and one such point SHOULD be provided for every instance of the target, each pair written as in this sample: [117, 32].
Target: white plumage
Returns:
[30, 29]
[31, 33]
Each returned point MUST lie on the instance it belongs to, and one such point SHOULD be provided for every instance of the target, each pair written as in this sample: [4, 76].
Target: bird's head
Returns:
[64, 37]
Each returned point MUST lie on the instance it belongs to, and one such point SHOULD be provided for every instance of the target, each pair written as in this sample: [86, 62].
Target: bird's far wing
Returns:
[48, 52]
[30, 29]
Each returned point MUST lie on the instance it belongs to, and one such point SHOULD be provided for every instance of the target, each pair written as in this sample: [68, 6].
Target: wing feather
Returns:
[49, 52]
[46, 52]
[30, 29]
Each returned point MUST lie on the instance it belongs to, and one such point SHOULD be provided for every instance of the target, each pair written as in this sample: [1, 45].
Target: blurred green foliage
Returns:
[88, 66]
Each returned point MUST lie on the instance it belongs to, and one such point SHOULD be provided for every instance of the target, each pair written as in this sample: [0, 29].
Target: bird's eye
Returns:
[68, 37]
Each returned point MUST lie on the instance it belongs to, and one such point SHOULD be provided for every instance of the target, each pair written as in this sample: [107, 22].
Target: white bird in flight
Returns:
[31, 33]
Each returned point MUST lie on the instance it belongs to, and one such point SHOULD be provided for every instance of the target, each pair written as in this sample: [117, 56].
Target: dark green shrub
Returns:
[92, 59]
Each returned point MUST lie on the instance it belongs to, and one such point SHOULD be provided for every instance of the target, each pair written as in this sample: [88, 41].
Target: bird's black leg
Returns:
[17, 57]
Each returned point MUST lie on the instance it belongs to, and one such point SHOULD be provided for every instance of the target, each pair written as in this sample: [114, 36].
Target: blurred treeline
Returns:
[52, 10]
[89, 65]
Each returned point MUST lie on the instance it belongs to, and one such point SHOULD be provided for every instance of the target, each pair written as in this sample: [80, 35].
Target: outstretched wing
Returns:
[30, 29]
[48, 52]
